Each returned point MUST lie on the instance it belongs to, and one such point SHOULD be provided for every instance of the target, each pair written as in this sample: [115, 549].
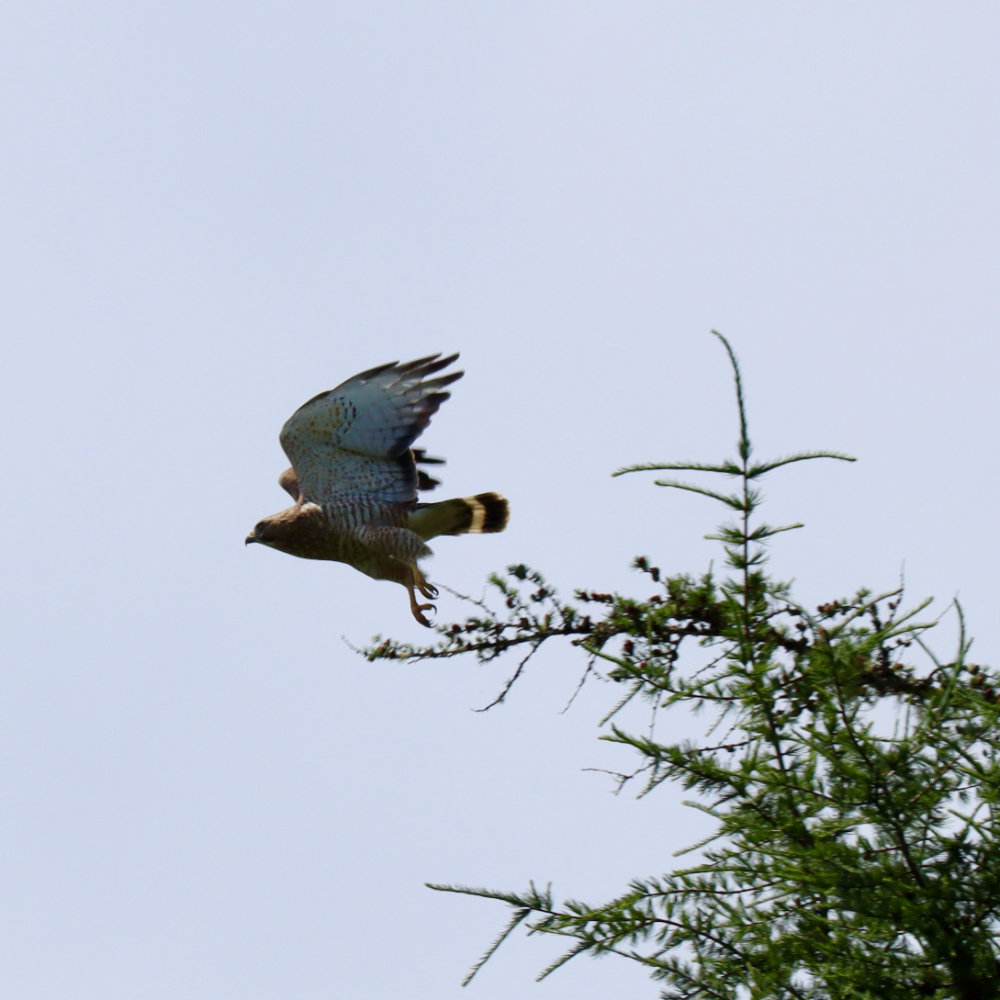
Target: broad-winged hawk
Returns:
[354, 478]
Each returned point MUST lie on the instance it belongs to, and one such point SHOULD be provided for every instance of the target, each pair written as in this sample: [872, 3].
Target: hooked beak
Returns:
[249, 539]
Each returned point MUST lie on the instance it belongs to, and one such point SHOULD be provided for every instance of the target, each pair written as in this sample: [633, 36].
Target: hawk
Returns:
[354, 478]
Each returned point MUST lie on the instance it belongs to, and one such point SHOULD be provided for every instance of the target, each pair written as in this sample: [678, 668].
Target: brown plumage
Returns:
[354, 478]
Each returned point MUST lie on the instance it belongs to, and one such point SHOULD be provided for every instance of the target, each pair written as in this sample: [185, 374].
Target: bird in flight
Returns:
[354, 478]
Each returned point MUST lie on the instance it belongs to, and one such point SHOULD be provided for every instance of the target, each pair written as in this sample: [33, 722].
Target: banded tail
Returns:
[484, 513]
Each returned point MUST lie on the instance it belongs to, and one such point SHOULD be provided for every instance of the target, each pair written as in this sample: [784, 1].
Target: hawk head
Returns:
[299, 531]
[266, 532]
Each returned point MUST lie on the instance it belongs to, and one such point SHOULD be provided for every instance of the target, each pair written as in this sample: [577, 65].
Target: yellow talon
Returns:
[421, 582]
[418, 610]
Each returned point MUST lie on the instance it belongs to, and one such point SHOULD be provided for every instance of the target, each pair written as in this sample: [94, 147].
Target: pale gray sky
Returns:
[213, 211]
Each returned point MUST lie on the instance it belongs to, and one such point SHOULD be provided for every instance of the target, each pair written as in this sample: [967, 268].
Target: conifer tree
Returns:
[850, 774]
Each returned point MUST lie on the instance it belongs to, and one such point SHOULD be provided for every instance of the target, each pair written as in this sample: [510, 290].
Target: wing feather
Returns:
[354, 441]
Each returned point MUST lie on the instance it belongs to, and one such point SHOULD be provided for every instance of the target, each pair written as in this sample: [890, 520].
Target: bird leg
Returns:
[396, 551]
[419, 582]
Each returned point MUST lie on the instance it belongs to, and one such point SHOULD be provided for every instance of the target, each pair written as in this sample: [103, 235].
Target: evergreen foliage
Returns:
[851, 776]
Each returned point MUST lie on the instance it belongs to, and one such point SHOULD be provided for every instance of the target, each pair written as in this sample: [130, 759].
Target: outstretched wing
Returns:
[353, 442]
